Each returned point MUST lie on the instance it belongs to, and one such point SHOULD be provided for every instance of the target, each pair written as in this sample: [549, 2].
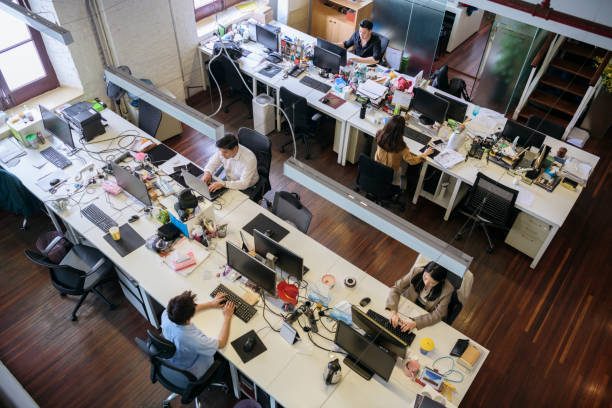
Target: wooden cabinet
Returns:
[337, 20]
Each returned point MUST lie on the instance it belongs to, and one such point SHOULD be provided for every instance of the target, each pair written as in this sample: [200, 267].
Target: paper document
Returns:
[186, 246]
[372, 89]
[9, 150]
[449, 158]
[393, 57]
[176, 161]
[524, 197]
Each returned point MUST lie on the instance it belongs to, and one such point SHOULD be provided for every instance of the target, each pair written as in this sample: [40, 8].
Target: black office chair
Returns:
[384, 43]
[83, 270]
[17, 199]
[262, 148]
[545, 126]
[224, 72]
[179, 382]
[149, 117]
[440, 79]
[376, 180]
[463, 288]
[488, 204]
[288, 206]
[305, 120]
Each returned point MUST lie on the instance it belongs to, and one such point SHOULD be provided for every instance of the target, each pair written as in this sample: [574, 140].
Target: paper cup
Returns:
[426, 345]
[114, 231]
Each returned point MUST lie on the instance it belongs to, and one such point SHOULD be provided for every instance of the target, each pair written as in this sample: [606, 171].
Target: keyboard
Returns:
[55, 157]
[384, 321]
[98, 217]
[314, 84]
[415, 135]
[242, 309]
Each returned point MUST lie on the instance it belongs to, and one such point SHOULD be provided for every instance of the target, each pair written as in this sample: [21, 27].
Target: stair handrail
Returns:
[542, 51]
[600, 69]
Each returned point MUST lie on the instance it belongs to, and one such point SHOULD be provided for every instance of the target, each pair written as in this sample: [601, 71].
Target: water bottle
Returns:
[476, 110]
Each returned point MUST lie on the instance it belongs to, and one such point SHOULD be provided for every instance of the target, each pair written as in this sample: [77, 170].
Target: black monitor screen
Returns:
[527, 136]
[267, 38]
[326, 60]
[336, 49]
[381, 335]
[432, 107]
[287, 261]
[251, 268]
[456, 109]
[132, 184]
[57, 126]
[366, 353]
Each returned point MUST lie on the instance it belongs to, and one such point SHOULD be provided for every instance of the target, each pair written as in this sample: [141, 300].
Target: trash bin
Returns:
[263, 114]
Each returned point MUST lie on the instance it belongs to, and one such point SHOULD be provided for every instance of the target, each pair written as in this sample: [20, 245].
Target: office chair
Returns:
[440, 79]
[178, 381]
[545, 126]
[305, 120]
[262, 148]
[488, 204]
[287, 206]
[149, 117]
[463, 288]
[224, 71]
[384, 43]
[376, 180]
[83, 270]
[17, 199]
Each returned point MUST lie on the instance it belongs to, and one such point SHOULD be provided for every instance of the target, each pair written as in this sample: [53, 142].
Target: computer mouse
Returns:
[269, 233]
[325, 100]
[249, 344]
[365, 301]
[54, 181]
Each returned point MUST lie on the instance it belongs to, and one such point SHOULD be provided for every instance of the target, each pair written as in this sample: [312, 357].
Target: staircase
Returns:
[562, 88]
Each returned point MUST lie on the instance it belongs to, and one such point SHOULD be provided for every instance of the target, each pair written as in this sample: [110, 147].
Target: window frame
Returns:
[214, 7]
[37, 87]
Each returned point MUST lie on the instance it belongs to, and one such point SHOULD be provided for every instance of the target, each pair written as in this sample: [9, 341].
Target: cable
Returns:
[451, 371]
[263, 312]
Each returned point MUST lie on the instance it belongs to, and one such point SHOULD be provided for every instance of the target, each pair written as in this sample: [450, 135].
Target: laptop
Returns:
[201, 187]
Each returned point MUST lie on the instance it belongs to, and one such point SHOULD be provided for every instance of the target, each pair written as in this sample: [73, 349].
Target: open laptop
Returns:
[201, 187]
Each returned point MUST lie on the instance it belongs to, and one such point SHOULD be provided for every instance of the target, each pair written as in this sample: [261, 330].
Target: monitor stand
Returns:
[358, 368]
[426, 121]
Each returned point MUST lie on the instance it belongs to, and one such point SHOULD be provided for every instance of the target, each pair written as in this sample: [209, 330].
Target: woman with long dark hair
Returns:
[392, 150]
[428, 288]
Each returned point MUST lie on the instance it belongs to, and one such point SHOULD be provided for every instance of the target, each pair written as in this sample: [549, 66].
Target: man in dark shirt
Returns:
[366, 43]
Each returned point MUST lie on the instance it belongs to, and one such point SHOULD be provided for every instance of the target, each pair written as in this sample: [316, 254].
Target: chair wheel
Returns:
[282, 149]
[489, 250]
[307, 157]
[458, 237]
[73, 318]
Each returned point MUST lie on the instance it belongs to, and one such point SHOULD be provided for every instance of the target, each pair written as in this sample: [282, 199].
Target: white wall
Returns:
[599, 11]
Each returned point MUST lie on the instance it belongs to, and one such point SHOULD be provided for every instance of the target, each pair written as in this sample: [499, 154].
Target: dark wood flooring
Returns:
[548, 329]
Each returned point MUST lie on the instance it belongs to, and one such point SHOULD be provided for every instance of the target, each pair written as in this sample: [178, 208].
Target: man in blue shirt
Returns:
[195, 351]
[366, 43]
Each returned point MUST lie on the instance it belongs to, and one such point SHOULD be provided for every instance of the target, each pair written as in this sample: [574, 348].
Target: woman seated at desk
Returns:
[428, 288]
[392, 150]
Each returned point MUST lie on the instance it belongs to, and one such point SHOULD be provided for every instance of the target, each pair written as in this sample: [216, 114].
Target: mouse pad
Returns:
[130, 240]
[270, 72]
[258, 348]
[263, 223]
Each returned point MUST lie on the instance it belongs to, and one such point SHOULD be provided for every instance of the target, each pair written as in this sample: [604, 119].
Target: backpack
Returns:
[458, 88]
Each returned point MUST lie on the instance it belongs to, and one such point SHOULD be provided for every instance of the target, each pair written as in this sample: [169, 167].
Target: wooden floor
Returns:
[548, 329]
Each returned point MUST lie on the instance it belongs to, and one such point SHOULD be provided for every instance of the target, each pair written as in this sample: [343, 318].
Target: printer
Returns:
[84, 119]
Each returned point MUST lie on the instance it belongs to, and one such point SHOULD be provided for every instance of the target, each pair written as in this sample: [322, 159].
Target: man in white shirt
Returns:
[240, 165]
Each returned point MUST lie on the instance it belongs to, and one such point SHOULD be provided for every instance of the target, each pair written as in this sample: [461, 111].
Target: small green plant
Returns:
[606, 75]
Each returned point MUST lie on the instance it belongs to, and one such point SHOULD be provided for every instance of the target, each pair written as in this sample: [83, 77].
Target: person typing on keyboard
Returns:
[194, 350]
[240, 165]
[428, 288]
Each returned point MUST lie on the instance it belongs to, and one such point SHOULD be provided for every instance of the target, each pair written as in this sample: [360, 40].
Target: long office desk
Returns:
[291, 374]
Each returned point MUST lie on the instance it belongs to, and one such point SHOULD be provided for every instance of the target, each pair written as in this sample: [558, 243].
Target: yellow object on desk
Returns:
[246, 7]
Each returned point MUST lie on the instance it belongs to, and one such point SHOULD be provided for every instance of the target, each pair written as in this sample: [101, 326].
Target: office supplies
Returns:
[426, 345]
[255, 347]
[131, 184]
[432, 378]
[311, 320]
[402, 99]
[289, 333]
[470, 357]
[10, 150]
[372, 90]
[251, 268]
[333, 372]
[332, 100]
[270, 70]
[111, 187]
[365, 301]
[201, 187]
[417, 136]
[263, 223]
[295, 71]
[350, 282]
[248, 344]
[383, 321]
[331, 47]
[98, 217]
[242, 309]
[286, 261]
[449, 158]
[431, 107]
[314, 84]
[44, 183]
[84, 120]
[459, 347]
[55, 158]
[129, 242]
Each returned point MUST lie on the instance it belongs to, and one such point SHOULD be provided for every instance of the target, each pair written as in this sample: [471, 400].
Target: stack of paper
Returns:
[448, 158]
[372, 90]
[10, 150]
[576, 170]
[185, 246]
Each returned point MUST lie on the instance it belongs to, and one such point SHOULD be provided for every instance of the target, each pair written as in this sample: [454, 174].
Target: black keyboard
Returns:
[55, 157]
[242, 309]
[417, 136]
[98, 217]
[314, 84]
[384, 321]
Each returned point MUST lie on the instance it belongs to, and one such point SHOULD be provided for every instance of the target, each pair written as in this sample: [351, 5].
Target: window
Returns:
[205, 8]
[25, 69]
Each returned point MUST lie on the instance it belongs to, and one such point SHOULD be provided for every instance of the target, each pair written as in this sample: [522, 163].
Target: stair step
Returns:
[571, 87]
[529, 110]
[586, 71]
[553, 101]
[583, 50]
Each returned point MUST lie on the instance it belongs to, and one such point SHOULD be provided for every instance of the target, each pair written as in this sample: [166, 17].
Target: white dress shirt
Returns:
[240, 170]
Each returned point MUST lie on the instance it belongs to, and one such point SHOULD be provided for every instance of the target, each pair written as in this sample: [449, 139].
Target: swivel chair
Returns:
[545, 126]
[224, 72]
[149, 117]
[288, 207]
[83, 270]
[488, 204]
[304, 120]
[384, 43]
[376, 180]
[178, 381]
[262, 148]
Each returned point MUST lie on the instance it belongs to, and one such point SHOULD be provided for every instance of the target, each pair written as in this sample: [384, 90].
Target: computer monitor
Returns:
[527, 136]
[251, 268]
[378, 333]
[456, 109]
[364, 357]
[267, 38]
[57, 126]
[287, 261]
[131, 183]
[431, 107]
[326, 60]
[336, 49]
